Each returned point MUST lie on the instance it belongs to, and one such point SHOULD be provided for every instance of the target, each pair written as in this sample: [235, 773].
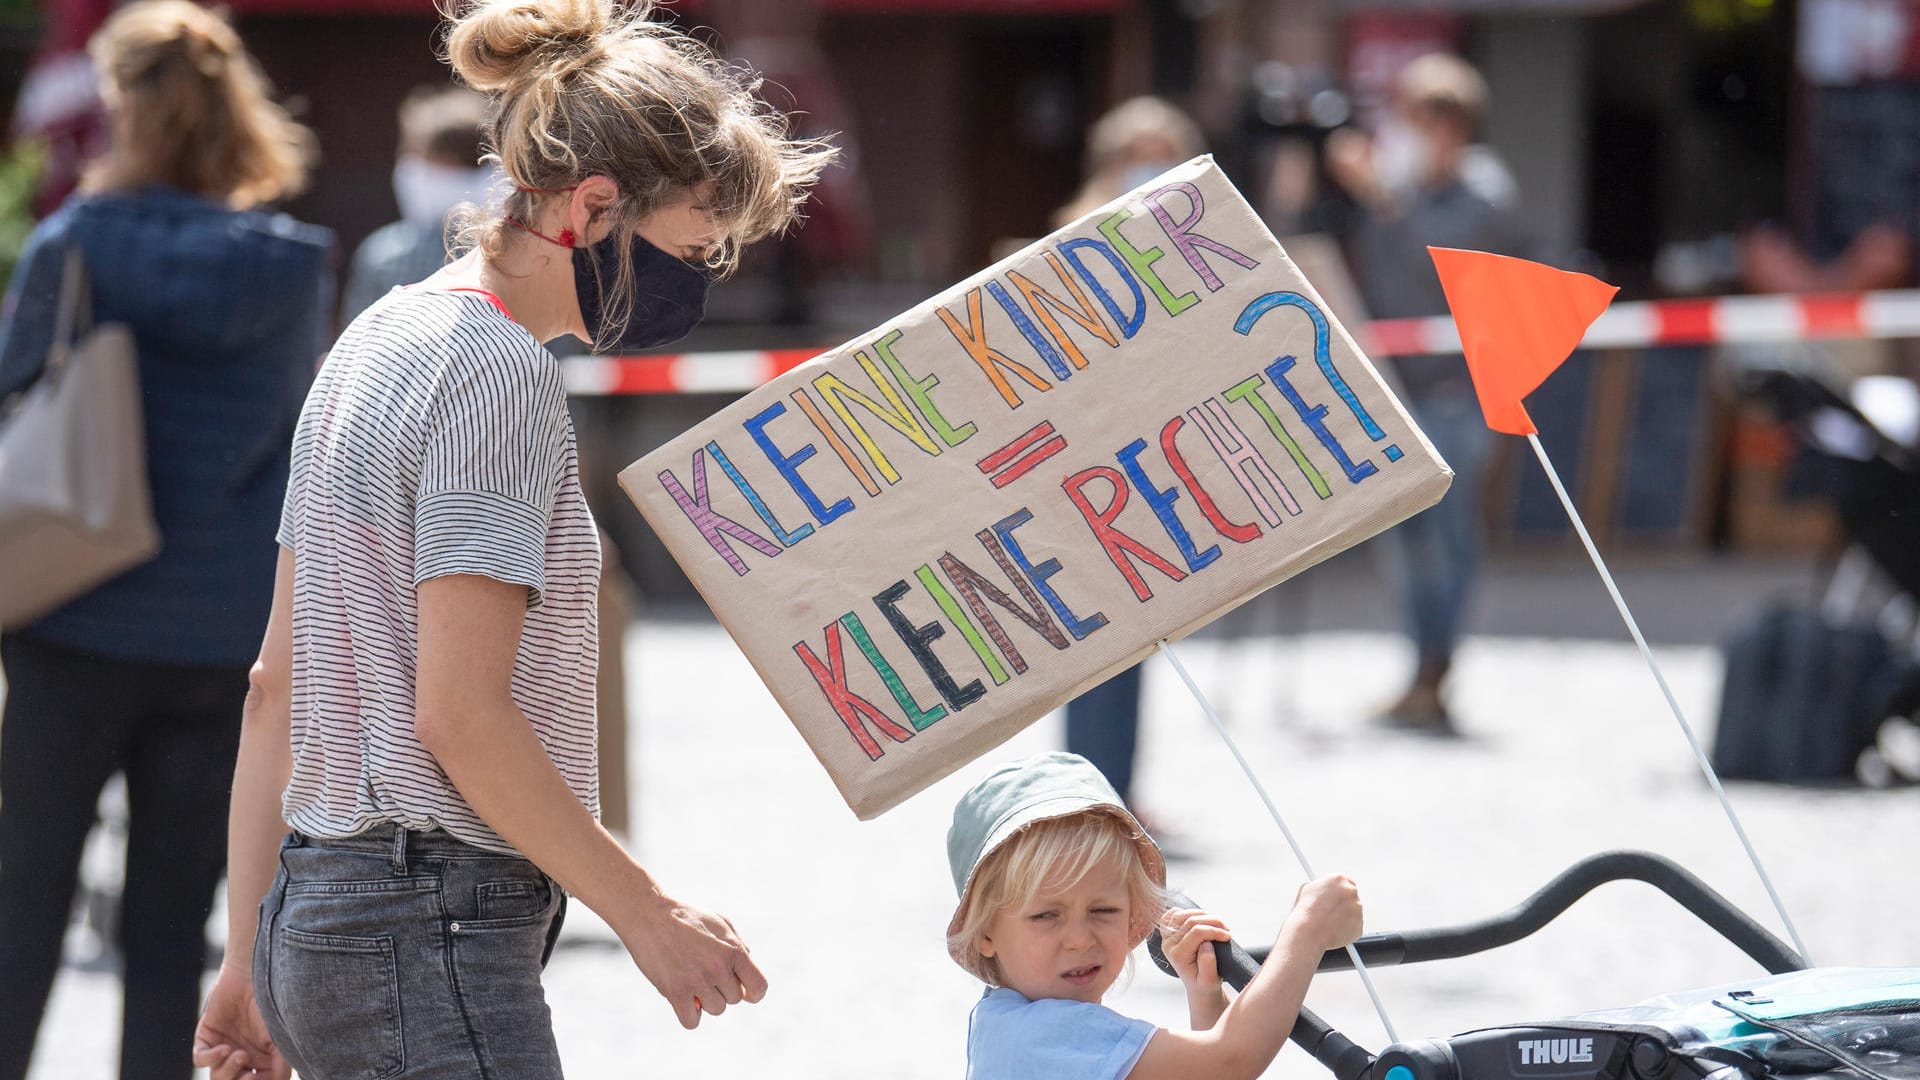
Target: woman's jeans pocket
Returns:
[408, 956]
[512, 900]
[341, 950]
[357, 1033]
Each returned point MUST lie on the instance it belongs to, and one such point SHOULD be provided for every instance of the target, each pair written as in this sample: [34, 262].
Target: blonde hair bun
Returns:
[501, 43]
[582, 88]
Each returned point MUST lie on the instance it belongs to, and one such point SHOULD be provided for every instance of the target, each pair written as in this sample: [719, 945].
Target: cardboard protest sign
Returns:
[928, 538]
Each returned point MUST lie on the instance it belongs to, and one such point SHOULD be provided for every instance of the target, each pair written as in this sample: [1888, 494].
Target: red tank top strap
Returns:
[490, 298]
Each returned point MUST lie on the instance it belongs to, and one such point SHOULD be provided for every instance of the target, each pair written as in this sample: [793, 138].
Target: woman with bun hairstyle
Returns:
[422, 710]
[229, 306]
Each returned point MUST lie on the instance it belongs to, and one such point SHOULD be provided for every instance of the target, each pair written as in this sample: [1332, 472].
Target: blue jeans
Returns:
[1435, 554]
[398, 954]
[1103, 726]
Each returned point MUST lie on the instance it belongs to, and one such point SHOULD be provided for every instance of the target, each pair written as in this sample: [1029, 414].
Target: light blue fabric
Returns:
[1012, 1038]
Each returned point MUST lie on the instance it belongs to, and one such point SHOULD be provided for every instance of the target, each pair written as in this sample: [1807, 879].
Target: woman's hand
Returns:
[232, 1040]
[694, 958]
[1186, 937]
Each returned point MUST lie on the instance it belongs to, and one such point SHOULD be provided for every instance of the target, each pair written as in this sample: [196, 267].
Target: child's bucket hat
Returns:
[1016, 795]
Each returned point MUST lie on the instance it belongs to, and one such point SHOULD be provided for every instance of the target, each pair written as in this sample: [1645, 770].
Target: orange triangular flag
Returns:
[1518, 322]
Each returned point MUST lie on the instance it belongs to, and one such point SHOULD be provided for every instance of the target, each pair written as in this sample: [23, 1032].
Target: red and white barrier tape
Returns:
[683, 373]
[1722, 320]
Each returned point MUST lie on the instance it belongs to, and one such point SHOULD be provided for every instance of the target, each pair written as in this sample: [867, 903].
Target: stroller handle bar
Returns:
[1536, 911]
[1349, 1061]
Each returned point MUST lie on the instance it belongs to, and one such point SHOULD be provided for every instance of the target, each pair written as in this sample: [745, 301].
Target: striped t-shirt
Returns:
[435, 441]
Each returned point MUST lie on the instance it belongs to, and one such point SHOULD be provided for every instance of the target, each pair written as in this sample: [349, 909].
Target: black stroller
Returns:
[1822, 695]
[1797, 1021]
[1872, 480]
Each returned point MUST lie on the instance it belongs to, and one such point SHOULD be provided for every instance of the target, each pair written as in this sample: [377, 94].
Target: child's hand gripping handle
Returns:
[1346, 1059]
[1237, 965]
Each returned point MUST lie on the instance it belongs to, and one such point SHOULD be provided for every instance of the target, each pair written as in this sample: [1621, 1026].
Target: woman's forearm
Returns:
[466, 717]
[500, 768]
[254, 824]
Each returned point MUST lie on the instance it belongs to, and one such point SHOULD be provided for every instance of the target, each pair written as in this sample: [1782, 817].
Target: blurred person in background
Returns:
[1879, 256]
[1134, 142]
[1423, 179]
[423, 708]
[437, 169]
[229, 308]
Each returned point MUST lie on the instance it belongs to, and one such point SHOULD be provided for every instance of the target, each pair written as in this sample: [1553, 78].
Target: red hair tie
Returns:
[565, 239]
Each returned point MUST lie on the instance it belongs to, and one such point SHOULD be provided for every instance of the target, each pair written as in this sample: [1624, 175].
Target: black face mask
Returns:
[669, 294]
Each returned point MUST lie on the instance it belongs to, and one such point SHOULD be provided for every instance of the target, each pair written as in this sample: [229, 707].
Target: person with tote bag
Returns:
[228, 309]
[75, 509]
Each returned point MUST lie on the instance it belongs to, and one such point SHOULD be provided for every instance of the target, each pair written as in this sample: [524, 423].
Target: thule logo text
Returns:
[1555, 1051]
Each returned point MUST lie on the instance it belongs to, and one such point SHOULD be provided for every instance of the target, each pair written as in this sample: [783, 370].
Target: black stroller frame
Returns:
[1872, 482]
[1574, 1051]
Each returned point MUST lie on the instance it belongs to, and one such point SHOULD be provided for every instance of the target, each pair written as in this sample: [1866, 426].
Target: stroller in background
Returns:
[1825, 695]
[1872, 477]
[1793, 1022]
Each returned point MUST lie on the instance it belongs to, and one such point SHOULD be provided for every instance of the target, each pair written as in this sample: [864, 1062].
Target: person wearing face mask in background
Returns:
[437, 169]
[1135, 141]
[1422, 179]
[1131, 144]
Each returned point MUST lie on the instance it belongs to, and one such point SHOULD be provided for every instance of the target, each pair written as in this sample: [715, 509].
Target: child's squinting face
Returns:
[1068, 943]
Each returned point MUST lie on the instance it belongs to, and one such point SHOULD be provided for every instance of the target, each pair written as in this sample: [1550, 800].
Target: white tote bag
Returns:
[75, 503]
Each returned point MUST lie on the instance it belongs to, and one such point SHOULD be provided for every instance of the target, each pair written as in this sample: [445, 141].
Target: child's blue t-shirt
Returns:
[1012, 1038]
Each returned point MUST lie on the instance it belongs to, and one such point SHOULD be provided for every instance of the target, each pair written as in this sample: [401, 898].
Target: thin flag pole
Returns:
[1298, 853]
[1706, 766]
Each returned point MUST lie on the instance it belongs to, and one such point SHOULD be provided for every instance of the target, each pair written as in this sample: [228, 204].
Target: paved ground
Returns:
[1571, 752]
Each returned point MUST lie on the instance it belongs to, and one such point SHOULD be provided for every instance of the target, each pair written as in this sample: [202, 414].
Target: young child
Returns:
[1058, 883]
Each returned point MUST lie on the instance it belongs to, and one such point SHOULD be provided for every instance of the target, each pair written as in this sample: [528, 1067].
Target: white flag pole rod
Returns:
[1298, 853]
[1706, 766]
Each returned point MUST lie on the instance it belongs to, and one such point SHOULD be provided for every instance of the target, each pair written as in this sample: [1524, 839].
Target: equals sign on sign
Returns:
[1022, 455]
